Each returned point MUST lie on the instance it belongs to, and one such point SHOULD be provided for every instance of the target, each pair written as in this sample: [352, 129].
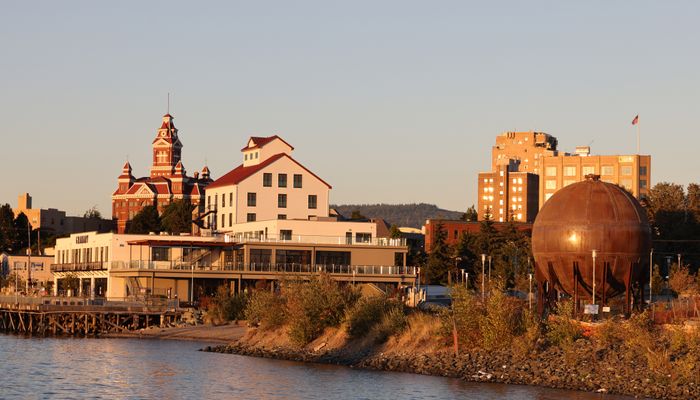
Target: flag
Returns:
[635, 121]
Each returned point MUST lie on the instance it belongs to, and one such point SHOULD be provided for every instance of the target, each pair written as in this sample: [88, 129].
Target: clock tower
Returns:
[167, 149]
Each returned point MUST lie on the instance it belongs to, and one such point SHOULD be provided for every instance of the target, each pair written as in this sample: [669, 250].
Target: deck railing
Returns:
[85, 266]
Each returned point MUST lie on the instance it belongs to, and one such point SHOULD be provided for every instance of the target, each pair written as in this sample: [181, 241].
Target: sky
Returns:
[388, 101]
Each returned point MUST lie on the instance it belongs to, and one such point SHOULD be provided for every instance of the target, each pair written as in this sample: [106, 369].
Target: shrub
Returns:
[393, 322]
[380, 317]
[314, 306]
[466, 315]
[501, 321]
[561, 329]
[226, 307]
[265, 309]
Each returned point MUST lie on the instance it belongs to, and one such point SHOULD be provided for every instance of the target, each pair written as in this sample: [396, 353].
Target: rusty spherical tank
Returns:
[587, 216]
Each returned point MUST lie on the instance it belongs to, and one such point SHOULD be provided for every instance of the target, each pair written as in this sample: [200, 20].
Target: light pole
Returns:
[529, 292]
[29, 256]
[679, 261]
[594, 255]
[651, 273]
[466, 280]
[483, 262]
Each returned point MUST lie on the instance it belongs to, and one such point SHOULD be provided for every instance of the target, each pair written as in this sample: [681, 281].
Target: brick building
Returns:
[168, 180]
[455, 228]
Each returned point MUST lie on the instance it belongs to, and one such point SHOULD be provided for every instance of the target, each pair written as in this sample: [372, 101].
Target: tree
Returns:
[440, 258]
[356, 214]
[395, 232]
[21, 227]
[145, 221]
[177, 217]
[471, 215]
[93, 213]
[7, 228]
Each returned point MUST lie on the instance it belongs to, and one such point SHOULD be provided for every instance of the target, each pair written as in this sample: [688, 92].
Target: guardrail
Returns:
[281, 268]
[86, 266]
[87, 301]
[315, 239]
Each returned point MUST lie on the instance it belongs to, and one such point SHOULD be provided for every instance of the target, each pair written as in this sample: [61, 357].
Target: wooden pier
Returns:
[29, 317]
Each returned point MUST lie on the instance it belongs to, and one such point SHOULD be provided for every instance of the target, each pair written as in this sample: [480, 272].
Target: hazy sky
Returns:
[391, 102]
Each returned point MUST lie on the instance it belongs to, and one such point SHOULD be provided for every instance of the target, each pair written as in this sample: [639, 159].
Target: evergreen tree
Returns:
[395, 232]
[439, 261]
[21, 226]
[7, 228]
[471, 215]
[177, 217]
[145, 221]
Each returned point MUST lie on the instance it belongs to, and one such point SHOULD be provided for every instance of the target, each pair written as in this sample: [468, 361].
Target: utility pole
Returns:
[29, 255]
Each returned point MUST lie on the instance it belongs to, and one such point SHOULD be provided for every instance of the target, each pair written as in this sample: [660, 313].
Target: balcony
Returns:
[317, 239]
[77, 267]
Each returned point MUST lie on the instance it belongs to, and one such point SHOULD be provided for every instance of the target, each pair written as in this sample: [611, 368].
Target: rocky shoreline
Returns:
[546, 369]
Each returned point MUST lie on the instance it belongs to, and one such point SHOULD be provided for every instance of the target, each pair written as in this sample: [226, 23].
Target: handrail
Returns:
[84, 266]
[273, 267]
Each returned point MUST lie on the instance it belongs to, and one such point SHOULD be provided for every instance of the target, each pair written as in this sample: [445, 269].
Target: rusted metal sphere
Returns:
[587, 216]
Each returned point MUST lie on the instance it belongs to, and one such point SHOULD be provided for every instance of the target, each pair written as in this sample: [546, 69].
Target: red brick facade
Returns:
[455, 228]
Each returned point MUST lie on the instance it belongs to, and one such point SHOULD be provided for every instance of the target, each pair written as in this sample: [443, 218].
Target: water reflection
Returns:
[138, 369]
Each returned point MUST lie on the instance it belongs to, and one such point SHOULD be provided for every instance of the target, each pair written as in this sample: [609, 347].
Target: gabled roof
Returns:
[240, 173]
[262, 141]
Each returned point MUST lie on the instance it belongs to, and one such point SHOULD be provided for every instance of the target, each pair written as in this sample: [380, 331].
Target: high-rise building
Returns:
[524, 149]
[633, 172]
[168, 180]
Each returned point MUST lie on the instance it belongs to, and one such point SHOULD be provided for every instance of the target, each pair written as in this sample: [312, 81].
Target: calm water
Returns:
[135, 369]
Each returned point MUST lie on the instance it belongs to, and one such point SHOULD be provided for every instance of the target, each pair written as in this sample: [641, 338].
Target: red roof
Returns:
[262, 141]
[240, 173]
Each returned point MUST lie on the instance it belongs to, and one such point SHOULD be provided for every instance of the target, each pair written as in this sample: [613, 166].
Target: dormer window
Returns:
[246, 157]
[256, 155]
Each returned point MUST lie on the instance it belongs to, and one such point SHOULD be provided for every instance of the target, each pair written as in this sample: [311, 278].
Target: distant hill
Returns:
[409, 215]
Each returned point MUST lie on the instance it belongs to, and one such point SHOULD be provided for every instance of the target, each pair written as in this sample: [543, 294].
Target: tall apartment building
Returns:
[56, 222]
[633, 172]
[525, 149]
[510, 191]
[506, 195]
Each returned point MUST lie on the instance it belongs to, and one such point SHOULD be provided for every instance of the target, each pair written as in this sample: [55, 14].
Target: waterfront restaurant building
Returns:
[119, 266]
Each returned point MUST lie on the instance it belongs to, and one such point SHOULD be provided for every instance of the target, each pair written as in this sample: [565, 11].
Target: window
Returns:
[570, 170]
[252, 199]
[230, 199]
[297, 181]
[223, 200]
[209, 201]
[626, 183]
[550, 171]
[547, 196]
[260, 256]
[250, 217]
[626, 170]
[332, 257]
[285, 234]
[223, 220]
[642, 171]
[363, 237]
[160, 254]
[550, 184]
[286, 257]
[642, 184]
[607, 170]
[282, 201]
[587, 170]
[256, 155]
[281, 180]
[230, 219]
[312, 201]
[245, 157]
[281, 216]
[267, 180]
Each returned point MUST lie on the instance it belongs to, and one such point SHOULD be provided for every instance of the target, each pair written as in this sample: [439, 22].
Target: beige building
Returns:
[41, 268]
[53, 221]
[633, 172]
[268, 185]
[508, 196]
[118, 266]
[524, 150]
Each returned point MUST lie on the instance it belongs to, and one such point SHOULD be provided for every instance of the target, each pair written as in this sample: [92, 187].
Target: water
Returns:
[64, 368]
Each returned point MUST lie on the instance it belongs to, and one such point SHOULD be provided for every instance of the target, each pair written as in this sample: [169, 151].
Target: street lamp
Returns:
[651, 273]
[594, 255]
[529, 292]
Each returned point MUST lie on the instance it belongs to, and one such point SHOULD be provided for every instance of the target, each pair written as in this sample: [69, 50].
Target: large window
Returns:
[252, 199]
[550, 171]
[282, 201]
[642, 184]
[607, 170]
[361, 237]
[260, 256]
[333, 257]
[160, 253]
[626, 170]
[281, 216]
[223, 200]
[297, 181]
[267, 180]
[250, 217]
[550, 184]
[285, 234]
[286, 257]
[643, 171]
[569, 170]
[587, 170]
[312, 201]
[281, 180]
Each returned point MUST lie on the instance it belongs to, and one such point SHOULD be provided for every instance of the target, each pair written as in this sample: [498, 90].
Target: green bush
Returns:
[501, 321]
[466, 315]
[316, 305]
[265, 309]
[379, 316]
[561, 329]
[226, 307]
